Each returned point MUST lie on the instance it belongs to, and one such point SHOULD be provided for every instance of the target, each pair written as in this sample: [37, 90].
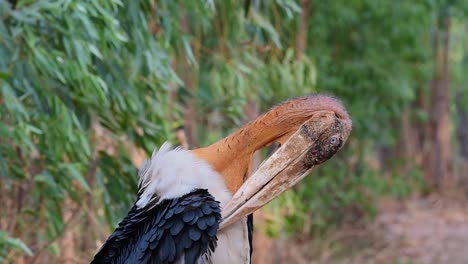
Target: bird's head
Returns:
[310, 129]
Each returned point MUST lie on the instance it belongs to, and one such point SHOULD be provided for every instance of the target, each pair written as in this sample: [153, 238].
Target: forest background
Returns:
[89, 88]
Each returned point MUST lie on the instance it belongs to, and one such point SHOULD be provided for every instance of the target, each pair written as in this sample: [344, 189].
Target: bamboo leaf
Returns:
[14, 243]
[73, 170]
[188, 51]
[4, 75]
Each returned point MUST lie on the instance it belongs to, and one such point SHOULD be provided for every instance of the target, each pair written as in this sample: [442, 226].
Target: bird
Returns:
[195, 206]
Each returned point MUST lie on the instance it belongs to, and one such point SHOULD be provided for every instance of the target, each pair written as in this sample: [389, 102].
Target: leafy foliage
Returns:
[74, 90]
[9, 242]
[83, 83]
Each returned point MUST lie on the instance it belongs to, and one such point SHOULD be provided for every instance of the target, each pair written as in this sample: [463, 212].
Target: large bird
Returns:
[195, 206]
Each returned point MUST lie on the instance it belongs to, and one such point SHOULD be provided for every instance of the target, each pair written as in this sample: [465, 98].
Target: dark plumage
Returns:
[183, 227]
[250, 230]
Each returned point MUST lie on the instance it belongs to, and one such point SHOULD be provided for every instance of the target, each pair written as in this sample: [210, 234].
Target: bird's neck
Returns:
[232, 155]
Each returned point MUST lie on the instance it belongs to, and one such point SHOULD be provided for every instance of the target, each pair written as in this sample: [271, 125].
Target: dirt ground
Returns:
[428, 230]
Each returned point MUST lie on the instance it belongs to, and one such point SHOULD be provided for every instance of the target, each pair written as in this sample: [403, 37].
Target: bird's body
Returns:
[176, 216]
[193, 206]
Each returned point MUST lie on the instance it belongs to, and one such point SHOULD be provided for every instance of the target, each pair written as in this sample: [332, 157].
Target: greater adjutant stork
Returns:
[192, 206]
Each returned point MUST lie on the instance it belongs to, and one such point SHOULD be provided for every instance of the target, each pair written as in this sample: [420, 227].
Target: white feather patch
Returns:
[171, 173]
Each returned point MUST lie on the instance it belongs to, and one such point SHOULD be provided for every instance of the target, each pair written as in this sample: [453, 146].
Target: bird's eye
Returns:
[333, 140]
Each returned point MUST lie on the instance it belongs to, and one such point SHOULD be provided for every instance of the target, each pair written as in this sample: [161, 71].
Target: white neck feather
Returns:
[171, 173]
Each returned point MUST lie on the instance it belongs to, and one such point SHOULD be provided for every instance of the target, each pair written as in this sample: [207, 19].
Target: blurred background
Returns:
[89, 88]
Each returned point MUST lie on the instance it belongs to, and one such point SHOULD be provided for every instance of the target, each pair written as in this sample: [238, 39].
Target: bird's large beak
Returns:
[283, 169]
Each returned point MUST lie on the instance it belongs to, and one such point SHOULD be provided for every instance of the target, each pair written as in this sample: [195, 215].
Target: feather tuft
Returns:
[172, 173]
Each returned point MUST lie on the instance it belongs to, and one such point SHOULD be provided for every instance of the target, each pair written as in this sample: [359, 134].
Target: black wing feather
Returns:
[182, 227]
[250, 230]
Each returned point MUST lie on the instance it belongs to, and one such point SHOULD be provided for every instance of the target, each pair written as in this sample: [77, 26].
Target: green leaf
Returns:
[12, 103]
[95, 51]
[73, 170]
[262, 22]
[188, 51]
[34, 129]
[14, 243]
[4, 75]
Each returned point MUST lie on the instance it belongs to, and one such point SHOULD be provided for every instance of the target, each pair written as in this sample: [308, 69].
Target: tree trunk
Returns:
[301, 38]
[438, 161]
[462, 134]
[408, 150]
[186, 72]
[68, 239]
